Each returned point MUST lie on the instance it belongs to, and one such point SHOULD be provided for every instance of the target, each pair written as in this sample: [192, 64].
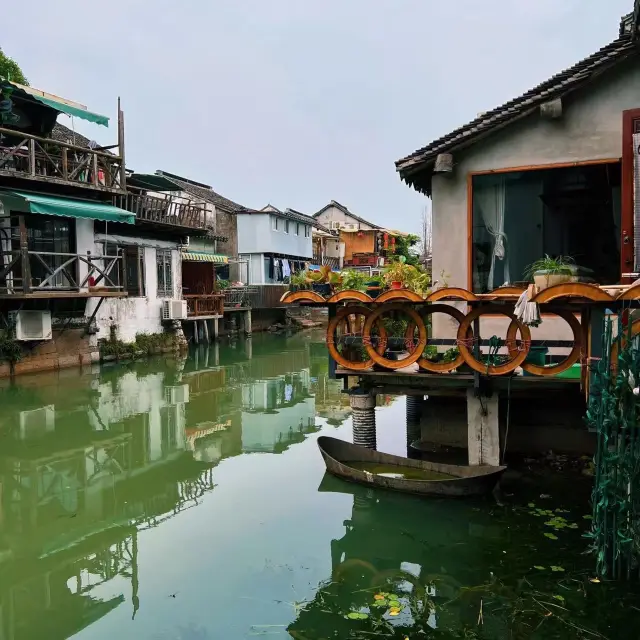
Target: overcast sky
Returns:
[298, 102]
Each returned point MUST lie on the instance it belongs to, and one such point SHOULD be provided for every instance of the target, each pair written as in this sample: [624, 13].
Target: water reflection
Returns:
[90, 461]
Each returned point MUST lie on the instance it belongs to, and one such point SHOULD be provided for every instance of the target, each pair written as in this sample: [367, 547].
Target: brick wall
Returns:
[227, 225]
[70, 348]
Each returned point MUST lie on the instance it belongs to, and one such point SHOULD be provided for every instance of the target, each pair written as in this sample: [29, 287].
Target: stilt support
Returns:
[483, 431]
[247, 322]
[363, 417]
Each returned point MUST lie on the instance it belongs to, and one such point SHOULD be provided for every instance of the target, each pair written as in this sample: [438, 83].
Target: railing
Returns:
[26, 156]
[205, 304]
[29, 272]
[259, 296]
[334, 263]
[163, 211]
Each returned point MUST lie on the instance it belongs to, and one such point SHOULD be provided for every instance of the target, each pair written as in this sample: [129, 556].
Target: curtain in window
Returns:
[490, 199]
[165, 279]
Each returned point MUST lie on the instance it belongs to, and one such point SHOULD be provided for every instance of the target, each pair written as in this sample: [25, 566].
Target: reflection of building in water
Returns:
[76, 487]
[277, 412]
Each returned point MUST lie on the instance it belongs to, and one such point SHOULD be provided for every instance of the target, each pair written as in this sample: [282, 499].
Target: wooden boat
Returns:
[343, 459]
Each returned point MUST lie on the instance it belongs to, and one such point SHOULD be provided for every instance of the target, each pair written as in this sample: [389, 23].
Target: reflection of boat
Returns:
[358, 464]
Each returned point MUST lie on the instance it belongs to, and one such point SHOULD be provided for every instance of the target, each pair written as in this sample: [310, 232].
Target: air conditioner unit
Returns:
[31, 325]
[335, 225]
[351, 226]
[177, 395]
[174, 309]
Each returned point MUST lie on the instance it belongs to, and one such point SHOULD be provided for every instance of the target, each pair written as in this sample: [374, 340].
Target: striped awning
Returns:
[203, 256]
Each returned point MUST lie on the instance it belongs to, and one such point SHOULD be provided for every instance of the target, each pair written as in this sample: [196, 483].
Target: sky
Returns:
[298, 102]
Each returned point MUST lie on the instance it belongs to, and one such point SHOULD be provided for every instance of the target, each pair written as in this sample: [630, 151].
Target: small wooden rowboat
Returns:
[359, 464]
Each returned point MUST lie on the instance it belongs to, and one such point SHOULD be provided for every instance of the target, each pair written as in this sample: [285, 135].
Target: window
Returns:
[519, 217]
[165, 273]
[128, 271]
[274, 223]
[297, 228]
[286, 226]
[307, 230]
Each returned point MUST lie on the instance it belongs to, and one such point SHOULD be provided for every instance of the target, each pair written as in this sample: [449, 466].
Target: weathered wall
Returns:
[143, 314]
[227, 226]
[69, 348]
[354, 243]
[590, 129]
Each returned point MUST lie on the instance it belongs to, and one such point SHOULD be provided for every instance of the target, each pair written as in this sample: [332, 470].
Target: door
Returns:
[630, 197]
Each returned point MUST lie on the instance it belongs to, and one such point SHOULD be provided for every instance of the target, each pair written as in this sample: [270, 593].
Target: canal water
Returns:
[187, 500]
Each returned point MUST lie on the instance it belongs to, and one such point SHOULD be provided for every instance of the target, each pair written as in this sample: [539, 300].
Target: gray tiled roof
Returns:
[60, 133]
[289, 214]
[346, 211]
[416, 168]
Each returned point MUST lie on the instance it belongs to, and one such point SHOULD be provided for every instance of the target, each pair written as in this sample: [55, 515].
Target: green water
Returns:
[187, 500]
[404, 473]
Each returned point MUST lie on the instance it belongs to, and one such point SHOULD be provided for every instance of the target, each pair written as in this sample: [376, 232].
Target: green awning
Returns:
[67, 207]
[63, 107]
[203, 256]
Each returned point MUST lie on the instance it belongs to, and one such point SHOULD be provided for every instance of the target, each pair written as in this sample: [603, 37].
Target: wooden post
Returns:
[94, 168]
[205, 331]
[32, 156]
[24, 252]
[483, 432]
[123, 171]
[65, 164]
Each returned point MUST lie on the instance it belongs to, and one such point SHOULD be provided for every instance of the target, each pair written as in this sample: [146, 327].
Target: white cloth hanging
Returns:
[286, 269]
[491, 200]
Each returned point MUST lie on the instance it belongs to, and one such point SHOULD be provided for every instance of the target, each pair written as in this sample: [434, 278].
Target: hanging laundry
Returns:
[271, 268]
[286, 269]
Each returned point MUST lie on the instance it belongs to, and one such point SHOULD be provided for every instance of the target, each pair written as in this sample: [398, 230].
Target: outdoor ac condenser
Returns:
[31, 325]
[174, 309]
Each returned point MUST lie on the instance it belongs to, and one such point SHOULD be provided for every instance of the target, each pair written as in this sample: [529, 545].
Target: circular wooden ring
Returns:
[451, 293]
[439, 367]
[571, 359]
[399, 294]
[492, 369]
[414, 355]
[573, 290]
[342, 316]
[350, 294]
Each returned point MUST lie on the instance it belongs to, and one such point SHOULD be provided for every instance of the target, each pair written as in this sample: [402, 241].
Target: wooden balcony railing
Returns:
[257, 296]
[163, 211]
[24, 272]
[46, 160]
[205, 304]
[332, 262]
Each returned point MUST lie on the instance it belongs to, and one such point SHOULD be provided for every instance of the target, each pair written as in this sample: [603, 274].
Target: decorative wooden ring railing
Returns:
[573, 290]
[399, 294]
[466, 347]
[551, 370]
[439, 367]
[451, 293]
[615, 347]
[342, 318]
[350, 294]
[418, 347]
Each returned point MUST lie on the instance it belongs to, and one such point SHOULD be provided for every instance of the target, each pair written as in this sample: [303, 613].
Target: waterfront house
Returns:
[549, 172]
[359, 243]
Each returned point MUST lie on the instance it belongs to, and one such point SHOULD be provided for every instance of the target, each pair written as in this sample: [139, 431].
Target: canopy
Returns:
[68, 207]
[203, 256]
[59, 105]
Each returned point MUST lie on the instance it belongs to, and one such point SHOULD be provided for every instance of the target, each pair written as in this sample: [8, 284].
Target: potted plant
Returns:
[320, 280]
[352, 279]
[397, 274]
[548, 271]
[373, 286]
[298, 281]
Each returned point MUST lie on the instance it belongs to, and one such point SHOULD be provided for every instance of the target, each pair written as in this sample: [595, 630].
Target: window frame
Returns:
[274, 223]
[121, 274]
[306, 230]
[286, 226]
[539, 167]
[164, 259]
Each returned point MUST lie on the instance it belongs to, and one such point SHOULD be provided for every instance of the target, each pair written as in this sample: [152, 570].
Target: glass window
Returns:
[128, 271]
[297, 228]
[307, 230]
[519, 217]
[274, 223]
[165, 273]
[286, 226]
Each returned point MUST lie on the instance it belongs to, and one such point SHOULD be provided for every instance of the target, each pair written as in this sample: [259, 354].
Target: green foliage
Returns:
[352, 279]
[223, 284]
[10, 70]
[299, 280]
[144, 344]
[552, 266]
[10, 349]
[407, 246]
[396, 327]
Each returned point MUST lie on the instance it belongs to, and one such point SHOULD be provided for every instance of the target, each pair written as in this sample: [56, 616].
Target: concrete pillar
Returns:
[215, 330]
[205, 331]
[247, 322]
[482, 429]
[414, 414]
[363, 417]
[196, 336]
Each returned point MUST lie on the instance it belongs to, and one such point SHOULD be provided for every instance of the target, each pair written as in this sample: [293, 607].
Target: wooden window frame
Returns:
[163, 291]
[542, 167]
[627, 248]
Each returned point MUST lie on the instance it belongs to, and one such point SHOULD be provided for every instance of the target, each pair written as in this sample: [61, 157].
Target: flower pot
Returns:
[374, 292]
[293, 288]
[324, 289]
[544, 279]
[396, 285]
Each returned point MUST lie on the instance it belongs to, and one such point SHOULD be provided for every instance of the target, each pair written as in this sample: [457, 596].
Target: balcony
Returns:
[164, 211]
[44, 274]
[49, 161]
[199, 305]
[257, 296]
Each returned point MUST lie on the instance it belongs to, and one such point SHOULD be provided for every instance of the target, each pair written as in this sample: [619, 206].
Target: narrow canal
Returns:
[186, 500]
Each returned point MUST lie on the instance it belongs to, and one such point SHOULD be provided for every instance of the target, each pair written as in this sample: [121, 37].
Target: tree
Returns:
[10, 70]
[407, 246]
